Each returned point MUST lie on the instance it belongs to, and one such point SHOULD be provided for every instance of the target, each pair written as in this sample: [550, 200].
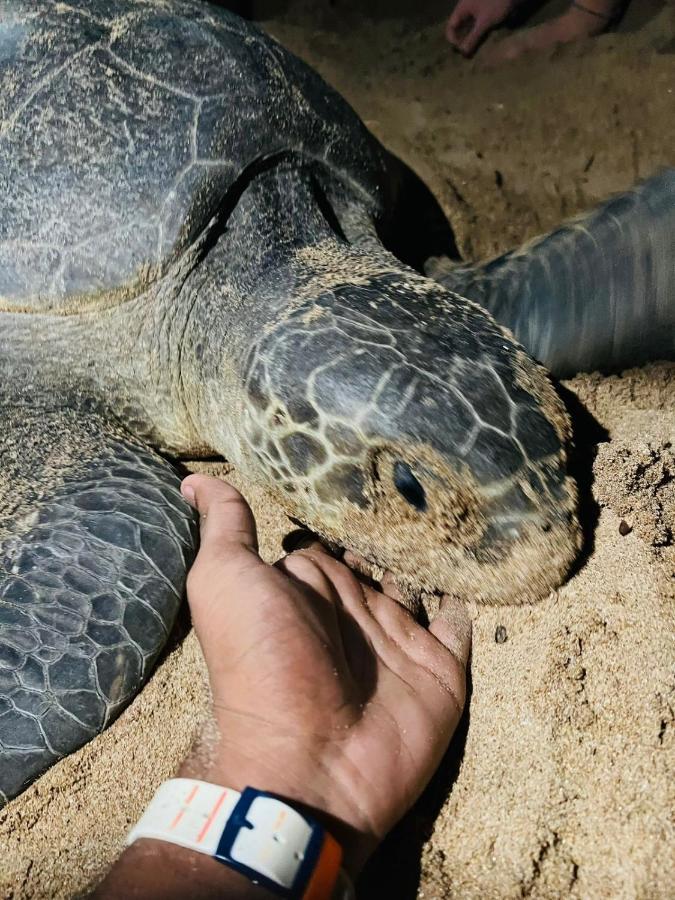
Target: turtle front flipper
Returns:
[95, 542]
[596, 294]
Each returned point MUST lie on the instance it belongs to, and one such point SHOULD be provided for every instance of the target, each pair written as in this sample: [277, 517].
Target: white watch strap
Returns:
[254, 832]
[187, 812]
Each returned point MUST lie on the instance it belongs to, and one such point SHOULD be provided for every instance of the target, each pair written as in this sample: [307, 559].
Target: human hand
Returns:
[472, 19]
[574, 24]
[325, 690]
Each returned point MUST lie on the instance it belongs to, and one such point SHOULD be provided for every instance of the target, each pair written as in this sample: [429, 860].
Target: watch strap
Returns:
[254, 832]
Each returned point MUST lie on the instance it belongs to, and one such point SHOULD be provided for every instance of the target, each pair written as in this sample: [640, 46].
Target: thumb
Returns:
[224, 516]
[229, 543]
[457, 26]
[228, 556]
[473, 37]
[463, 10]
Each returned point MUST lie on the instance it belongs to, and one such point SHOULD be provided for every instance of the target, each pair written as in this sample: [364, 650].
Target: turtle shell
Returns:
[124, 128]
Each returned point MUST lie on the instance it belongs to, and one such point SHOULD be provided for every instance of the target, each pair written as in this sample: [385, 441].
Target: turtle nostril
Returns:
[408, 486]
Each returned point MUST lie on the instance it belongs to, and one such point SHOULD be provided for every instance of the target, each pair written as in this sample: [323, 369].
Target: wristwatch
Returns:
[254, 832]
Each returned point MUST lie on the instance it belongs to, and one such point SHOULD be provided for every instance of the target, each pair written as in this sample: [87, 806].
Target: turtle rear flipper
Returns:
[596, 294]
[95, 542]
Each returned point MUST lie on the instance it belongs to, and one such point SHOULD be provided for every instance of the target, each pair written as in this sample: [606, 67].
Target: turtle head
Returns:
[387, 413]
[399, 420]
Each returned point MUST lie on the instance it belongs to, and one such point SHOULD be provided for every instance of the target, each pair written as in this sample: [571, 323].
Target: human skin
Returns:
[326, 692]
[472, 20]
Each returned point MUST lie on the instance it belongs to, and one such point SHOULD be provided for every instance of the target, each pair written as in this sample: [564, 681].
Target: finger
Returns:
[471, 40]
[459, 14]
[452, 627]
[412, 652]
[395, 619]
[391, 588]
[226, 559]
[227, 526]
[362, 567]
[346, 586]
[313, 569]
[455, 33]
[307, 568]
[224, 514]
[475, 35]
[464, 34]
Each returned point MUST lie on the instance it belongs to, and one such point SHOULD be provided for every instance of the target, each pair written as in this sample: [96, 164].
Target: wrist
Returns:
[301, 778]
[201, 839]
[157, 870]
[300, 774]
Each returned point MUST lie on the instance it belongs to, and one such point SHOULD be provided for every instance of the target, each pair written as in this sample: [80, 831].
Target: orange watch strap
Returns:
[321, 885]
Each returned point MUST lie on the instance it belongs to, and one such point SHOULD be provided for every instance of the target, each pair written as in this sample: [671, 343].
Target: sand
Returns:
[561, 780]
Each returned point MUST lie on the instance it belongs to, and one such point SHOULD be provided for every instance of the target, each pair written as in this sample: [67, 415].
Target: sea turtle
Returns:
[190, 264]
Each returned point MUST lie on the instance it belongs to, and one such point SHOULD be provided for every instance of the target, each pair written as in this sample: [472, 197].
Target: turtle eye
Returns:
[408, 486]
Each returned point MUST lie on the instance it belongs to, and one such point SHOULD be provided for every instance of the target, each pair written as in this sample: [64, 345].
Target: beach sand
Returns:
[561, 779]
